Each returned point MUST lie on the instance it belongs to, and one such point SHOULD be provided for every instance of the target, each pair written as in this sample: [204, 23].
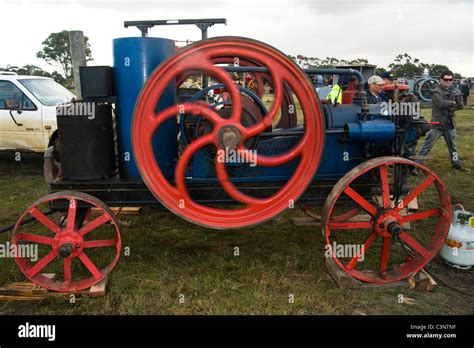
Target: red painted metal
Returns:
[376, 230]
[200, 57]
[74, 234]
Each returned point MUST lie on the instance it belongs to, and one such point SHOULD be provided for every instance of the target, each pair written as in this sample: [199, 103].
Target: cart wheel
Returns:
[387, 242]
[78, 244]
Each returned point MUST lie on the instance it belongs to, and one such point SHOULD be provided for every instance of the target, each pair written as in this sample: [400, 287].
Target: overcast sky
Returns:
[434, 31]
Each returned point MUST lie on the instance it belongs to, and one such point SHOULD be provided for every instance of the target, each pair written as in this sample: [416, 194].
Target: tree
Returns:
[404, 66]
[56, 50]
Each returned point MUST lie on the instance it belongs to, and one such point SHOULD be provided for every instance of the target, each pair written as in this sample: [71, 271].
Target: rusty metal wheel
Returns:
[379, 246]
[78, 244]
[227, 132]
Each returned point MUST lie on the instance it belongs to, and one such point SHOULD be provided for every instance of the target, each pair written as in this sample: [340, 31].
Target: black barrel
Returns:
[86, 140]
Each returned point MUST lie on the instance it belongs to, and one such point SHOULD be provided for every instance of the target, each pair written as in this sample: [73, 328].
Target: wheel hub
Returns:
[229, 137]
[388, 224]
[69, 244]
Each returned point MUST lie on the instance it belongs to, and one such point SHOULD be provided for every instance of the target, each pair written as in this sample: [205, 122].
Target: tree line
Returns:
[56, 52]
[403, 65]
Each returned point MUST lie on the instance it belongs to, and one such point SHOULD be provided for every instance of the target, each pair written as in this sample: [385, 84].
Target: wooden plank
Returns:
[305, 221]
[123, 210]
[25, 291]
[345, 281]
[98, 289]
[413, 205]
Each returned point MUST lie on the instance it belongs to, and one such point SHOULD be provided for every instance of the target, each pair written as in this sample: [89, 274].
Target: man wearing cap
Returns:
[446, 99]
[388, 78]
[374, 94]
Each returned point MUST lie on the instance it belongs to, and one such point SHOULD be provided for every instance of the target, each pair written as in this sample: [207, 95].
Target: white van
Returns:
[28, 111]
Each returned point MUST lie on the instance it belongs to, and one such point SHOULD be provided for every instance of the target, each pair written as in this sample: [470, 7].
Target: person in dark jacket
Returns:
[374, 93]
[465, 90]
[446, 99]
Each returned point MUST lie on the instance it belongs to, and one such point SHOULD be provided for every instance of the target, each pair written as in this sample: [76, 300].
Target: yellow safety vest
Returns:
[335, 94]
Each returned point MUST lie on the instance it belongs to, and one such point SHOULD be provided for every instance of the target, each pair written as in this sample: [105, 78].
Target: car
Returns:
[28, 111]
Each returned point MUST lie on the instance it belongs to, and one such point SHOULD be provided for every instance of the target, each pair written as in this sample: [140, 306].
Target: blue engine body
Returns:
[341, 152]
[135, 58]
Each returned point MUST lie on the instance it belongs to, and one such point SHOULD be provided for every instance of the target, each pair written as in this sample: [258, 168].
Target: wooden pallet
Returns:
[303, 221]
[345, 281]
[420, 281]
[27, 291]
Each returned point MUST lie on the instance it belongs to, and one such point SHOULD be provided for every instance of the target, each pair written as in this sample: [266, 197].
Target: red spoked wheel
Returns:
[79, 245]
[227, 133]
[386, 241]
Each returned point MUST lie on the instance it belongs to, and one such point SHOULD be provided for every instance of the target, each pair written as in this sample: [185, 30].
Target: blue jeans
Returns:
[432, 138]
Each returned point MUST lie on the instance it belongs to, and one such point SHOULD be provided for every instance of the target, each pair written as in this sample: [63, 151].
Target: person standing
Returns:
[465, 90]
[446, 99]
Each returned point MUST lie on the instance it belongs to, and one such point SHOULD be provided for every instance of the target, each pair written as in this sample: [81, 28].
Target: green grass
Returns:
[170, 257]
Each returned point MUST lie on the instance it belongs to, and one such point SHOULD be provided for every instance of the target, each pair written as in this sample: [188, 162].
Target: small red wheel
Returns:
[78, 245]
[228, 132]
[380, 247]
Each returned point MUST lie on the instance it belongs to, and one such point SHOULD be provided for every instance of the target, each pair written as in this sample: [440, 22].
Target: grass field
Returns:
[170, 257]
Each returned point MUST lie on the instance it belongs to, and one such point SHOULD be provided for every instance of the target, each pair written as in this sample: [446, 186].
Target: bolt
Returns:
[394, 228]
[65, 250]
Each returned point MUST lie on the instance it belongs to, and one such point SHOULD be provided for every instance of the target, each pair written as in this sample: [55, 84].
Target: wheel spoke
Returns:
[416, 192]
[421, 215]
[353, 262]
[415, 245]
[71, 215]
[94, 224]
[350, 225]
[67, 271]
[90, 266]
[184, 159]
[385, 253]
[361, 201]
[385, 186]
[156, 120]
[44, 220]
[29, 237]
[42, 263]
[231, 189]
[99, 243]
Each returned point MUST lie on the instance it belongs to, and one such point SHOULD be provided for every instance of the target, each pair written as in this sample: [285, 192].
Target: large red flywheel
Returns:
[227, 132]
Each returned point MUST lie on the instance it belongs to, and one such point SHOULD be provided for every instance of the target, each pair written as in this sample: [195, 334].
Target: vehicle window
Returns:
[11, 94]
[48, 91]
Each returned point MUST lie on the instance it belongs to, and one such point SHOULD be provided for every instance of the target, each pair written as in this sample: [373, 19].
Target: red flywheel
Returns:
[199, 57]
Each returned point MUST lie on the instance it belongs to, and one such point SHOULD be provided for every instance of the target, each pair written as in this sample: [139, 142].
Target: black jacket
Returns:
[444, 102]
[372, 99]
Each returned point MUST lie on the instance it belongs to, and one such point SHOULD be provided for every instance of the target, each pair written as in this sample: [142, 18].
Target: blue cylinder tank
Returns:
[135, 58]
